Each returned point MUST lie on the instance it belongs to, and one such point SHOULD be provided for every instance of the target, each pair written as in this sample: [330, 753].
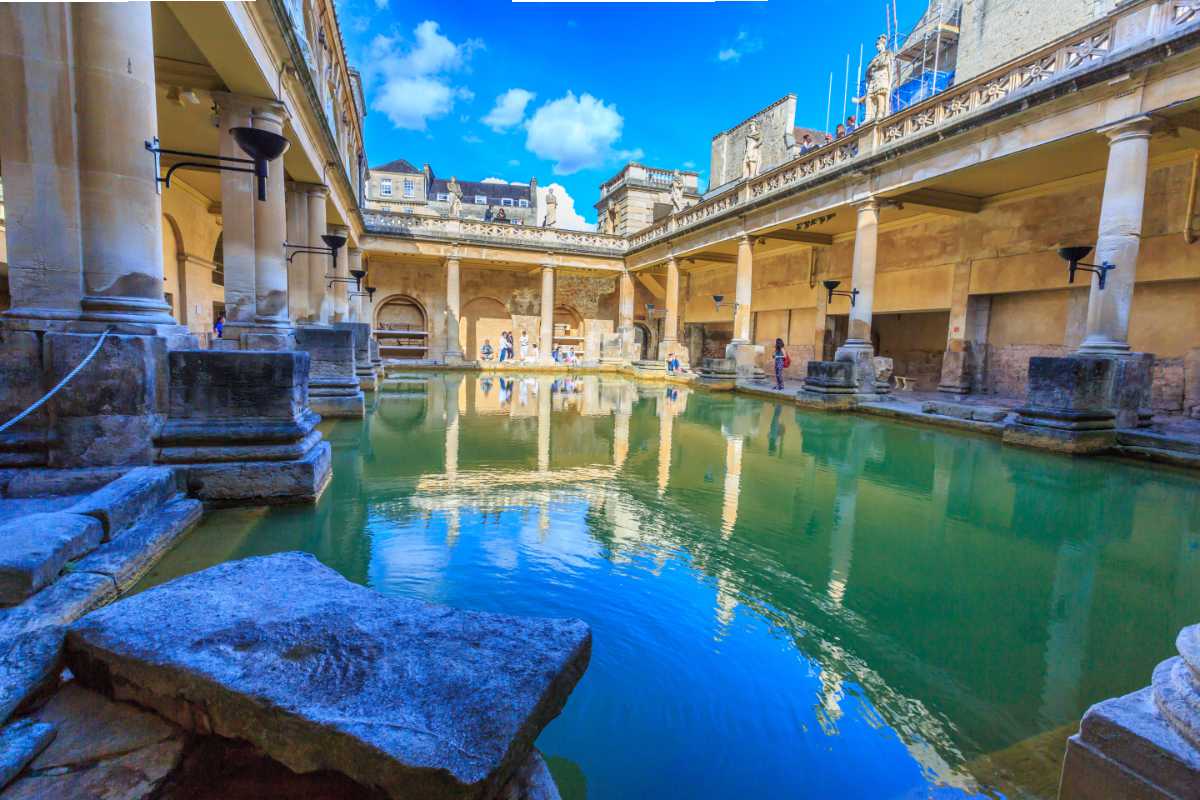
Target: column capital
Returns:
[228, 101]
[870, 204]
[270, 111]
[315, 189]
[1139, 127]
[745, 238]
[339, 229]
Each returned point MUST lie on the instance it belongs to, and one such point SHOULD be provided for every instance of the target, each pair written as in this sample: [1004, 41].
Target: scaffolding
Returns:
[927, 56]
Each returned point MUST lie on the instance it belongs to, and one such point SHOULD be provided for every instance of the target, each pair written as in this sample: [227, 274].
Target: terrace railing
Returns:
[500, 233]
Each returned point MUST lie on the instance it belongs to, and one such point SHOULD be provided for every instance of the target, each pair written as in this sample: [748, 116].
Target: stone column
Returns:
[40, 156]
[625, 316]
[454, 352]
[270, 231]
[670, 343]
[964, 361]
[743, 290]
[858, 347]
[297, 267]
[356, 302]
[120, 207]
[546, 343]
[342, 270]
[238, 198]
[319, 265]
[1120, 237]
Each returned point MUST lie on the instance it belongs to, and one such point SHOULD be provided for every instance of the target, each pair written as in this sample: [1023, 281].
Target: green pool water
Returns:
[783, 604]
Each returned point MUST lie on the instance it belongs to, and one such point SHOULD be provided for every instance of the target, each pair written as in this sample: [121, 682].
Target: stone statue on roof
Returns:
[753, 157]
[677, 201]
[455, 192]
[881, 79]
[551, 218]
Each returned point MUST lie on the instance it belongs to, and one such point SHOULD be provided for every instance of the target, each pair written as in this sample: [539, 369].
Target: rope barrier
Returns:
[60, 385]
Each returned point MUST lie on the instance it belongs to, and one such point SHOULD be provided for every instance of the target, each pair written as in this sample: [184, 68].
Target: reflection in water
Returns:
[856, 609]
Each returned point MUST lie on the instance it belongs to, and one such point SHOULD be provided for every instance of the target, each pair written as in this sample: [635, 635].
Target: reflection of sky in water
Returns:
[782, 604]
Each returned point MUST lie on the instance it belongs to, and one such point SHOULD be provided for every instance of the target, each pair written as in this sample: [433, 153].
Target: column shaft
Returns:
[743, 289]
[625, 301]
[453, 310]
[238, 197]
[671, 323]
[356, 302]
[866, 243]
[1120, 236]
[297, 268]
[120, 207]
[546, 344]
[270, 230]
[319, 265]
[342, 270]
[41, 170]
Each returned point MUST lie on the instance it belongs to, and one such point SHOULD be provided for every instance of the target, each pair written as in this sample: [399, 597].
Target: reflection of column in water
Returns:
[544, 520]
[666, 425]
[726, 603]
[943, 471]
[733, 483]
[1066, 633]
[451, 434]
[842, 535]
[620, 438]
[543, 443]
[830, 709]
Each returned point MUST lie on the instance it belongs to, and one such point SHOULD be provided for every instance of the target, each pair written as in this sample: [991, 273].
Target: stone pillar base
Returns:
[337, 401]
[867, 369]
[718, 374]
[1145, 744]
[745, 357]
[333, 385]
[239, 430]
[956, 371]
[1067, 407]
[831, 385]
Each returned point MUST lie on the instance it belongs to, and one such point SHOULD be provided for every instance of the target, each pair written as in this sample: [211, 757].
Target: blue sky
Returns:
[568, 92]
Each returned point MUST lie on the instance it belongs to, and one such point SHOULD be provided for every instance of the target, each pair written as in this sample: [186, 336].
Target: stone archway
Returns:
[482, 319]
[174, 275]
[402, 328]
[643, 337]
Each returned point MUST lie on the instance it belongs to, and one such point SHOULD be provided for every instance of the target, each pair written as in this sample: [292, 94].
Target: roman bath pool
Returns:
[784, 604]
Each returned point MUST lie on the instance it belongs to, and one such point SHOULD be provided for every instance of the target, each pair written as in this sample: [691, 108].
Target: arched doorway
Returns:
[402, 328]
[568, 329]
[483, 319]
[173, 286]
[644, 340]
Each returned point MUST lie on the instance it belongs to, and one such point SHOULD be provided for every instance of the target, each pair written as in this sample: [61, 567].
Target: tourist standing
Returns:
[524, 346]
[782, 361]
[219, 325]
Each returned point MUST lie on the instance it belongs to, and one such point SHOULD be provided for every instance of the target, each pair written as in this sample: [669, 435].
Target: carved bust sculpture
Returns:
[551, 210]
[881, 79]
[677, 202]
[753, 158]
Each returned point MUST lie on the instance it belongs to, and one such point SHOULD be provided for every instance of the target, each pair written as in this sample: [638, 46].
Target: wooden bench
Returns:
[902, 383]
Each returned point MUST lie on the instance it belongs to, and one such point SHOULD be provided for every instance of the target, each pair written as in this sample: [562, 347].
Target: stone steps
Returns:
[35, 548]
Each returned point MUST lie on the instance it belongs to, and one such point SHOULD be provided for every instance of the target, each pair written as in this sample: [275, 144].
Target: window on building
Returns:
[506, 201]
[385, 187]
[523, 204]
[409, 189]
[408, 209]
[481, 200]
[443, 197]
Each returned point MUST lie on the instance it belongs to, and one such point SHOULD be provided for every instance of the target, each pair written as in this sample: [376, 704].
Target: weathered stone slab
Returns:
[29, 663]
[34, 549]
[40, 482]
[321, 674]
[121, 503]
[830, 377]
[129, 556]
[962, 411]
[131, 776]
[20, 742]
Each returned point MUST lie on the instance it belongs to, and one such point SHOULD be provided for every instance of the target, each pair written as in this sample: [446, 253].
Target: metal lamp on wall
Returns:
[262, 146]
[832, 288]
[1074, 257]
[333, 243]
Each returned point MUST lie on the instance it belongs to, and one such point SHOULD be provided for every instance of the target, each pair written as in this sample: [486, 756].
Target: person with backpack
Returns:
[782, 362]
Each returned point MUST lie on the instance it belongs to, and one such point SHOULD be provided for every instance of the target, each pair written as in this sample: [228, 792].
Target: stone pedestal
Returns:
[719, 374]
[1068, 406]
[829, 384]
[107, 415]
[376, 358]
[240, 429]
[1145, 744]
[333, 389]
[368, 378]
[867, 368]
[957, 368]
[745, 359]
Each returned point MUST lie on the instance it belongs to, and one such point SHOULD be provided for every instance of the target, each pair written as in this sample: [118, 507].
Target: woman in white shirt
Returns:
[524, 346]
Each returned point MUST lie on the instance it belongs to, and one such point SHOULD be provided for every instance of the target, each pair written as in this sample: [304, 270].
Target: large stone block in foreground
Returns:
[1067, 408]
[333, 385]
[321, 674]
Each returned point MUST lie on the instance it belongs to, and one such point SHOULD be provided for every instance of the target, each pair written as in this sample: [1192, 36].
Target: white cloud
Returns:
[413, 81]
[471, 138]
[742, 45]
[494, 180]
[509, 110]
[567, 216]
[576, 133]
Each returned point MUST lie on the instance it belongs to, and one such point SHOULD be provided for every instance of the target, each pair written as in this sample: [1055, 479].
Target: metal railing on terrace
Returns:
[1133, 24]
